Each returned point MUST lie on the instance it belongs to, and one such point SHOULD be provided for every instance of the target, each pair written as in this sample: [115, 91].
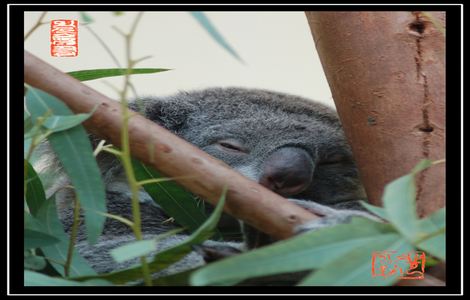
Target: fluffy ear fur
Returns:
[170, 112]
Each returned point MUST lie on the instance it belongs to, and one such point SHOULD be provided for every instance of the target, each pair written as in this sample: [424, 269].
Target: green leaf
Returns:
[400, 205]
[435, 246]
[422, 165]
[139, 248]
[37, 279]
[171, 255]
[307, 251]
[27, 145]
[27, 122]
[210, 28]
[433, 223]
[399, 200]
[35, 239]
[49, 223]
[353, 268]
[376, 210]
[172, 198]
[74, 151]
[85, 75]
[34, 262]
[432, 234]
[35, 195]
[59, 123]
[133, 250]
[178, 279]
[86, 18]
[118, 13]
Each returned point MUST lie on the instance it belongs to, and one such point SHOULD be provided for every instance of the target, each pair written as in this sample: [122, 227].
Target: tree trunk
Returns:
[386, 71]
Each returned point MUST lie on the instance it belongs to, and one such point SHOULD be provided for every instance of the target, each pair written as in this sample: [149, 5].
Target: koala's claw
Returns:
[212, 251]
[328, 216]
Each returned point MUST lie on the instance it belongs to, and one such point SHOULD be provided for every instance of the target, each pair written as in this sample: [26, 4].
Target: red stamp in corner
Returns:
[406, 266]
[64, 38]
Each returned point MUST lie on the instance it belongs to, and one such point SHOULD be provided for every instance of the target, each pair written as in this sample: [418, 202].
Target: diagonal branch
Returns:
[194, 169]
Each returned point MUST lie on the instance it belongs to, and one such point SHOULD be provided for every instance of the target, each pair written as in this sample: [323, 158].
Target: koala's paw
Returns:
[329, 216]
[213, 250]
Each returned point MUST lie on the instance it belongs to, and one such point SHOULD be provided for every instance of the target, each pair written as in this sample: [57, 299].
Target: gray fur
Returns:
[261, 122]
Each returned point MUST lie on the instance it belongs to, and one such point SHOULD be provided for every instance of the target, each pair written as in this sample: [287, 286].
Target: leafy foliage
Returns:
[341, 255]
[74, 151]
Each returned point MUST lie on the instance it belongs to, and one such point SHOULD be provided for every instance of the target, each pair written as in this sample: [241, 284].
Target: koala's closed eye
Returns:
[334, 159]
[231, 145]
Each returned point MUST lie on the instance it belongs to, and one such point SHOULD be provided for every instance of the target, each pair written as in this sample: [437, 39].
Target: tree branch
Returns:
[194, 169]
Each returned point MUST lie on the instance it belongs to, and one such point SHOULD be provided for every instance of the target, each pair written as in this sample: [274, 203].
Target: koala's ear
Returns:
[171, 112]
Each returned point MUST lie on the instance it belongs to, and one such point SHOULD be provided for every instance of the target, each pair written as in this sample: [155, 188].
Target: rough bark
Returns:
[174, 157]
[386, 71]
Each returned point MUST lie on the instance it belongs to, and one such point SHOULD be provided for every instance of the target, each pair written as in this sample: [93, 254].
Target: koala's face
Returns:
[293, 146]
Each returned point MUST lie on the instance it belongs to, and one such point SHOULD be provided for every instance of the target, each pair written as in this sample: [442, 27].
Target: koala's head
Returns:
[291, 145]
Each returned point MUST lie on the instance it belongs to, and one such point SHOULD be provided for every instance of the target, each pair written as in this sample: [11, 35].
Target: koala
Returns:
[291, 145]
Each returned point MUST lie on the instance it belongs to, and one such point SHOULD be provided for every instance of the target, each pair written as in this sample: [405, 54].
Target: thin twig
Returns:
[126, 153]
[36, 26]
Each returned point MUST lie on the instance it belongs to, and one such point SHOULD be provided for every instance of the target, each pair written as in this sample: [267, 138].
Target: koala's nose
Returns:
[287, 171]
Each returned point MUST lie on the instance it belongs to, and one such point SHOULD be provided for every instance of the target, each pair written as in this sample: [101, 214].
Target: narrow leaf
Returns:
[35, 239]
[86, 18]
[74, 151]
[214, 33]
[435, 246]
[171, 255]
[400, 205]
[85, 75]
[34, 262]
[304, 252]
[59, 123]
[139, 248]
[354, 267]
[172, 198]
[37, 279]
[376, 210]
[35, 195]
[399, 200]
[49, 223]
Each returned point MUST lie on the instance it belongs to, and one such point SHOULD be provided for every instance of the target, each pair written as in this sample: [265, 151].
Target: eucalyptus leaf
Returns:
[421, 166]
[178, 279]
[435, 245]
[133, 250]
[74, 151]
[353, 268]
[35, 239]
[171, 255]
[202, 19]
[27, 122]
[49, 223]
[307, 251]
[34, 262]
[86, 18]
[37, 279]
[434, 222]
[26, 146]
[399, 201]
[139, 248]
[85, 75]
[35, 195]
[172, 198]
[58, 123]
[376, 210]
[400, 205]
